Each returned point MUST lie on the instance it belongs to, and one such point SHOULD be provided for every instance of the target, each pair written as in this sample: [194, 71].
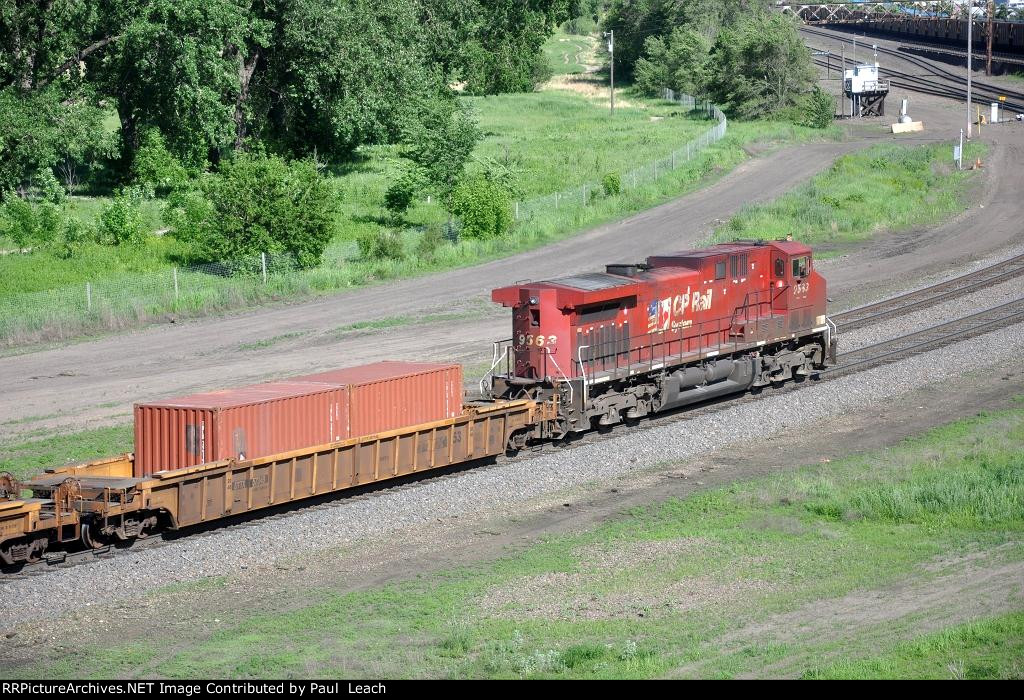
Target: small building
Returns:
[865, 90]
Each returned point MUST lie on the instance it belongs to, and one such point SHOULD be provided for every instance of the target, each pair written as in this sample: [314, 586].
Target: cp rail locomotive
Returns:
[587, 350]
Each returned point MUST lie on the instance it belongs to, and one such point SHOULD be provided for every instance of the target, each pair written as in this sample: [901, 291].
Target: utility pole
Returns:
[989, 12]
[610, 35]
[970, 50]
[842, 80]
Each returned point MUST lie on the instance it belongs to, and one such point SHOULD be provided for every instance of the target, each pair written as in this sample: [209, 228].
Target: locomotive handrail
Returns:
[495, 359]
[583, 370]
[547, 352]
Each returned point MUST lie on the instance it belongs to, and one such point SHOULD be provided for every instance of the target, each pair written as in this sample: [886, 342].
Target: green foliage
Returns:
[44, 130]
[611, 183]
[484, 207]
[155, 168]
[681, 61]
[381, 245]
[441, 142]
[121, 222]
[761, 66]
[745, 58]
[819, 109]
[29, 224]
[258, 204]
[400, 194]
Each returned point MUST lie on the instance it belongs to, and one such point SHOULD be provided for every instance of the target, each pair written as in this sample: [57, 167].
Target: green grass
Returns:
[568, 53]
[885, 188]
[27, 457]
[992, 648]
[682, 586]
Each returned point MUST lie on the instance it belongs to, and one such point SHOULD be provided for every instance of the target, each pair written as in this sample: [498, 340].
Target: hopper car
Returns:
[587, 351]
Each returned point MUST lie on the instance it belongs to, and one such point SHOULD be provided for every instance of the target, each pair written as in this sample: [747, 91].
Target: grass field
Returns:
[885, 188]
[570, 53]
[29, 456]
[749, 579]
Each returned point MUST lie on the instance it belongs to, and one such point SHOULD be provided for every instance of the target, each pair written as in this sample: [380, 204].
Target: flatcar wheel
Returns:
[92, 538]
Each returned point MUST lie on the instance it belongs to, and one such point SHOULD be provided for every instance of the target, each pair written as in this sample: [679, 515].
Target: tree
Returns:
[175, 66]
[680, 62]
[257, 204]
[760, 67]
[440, 143]
[41, 130]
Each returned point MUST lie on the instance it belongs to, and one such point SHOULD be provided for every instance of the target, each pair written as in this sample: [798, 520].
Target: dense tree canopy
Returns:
[215, 76]
[749, 60]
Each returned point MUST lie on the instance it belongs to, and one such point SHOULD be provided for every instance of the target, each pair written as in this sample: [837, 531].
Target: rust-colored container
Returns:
[390, 395]
[244, 423]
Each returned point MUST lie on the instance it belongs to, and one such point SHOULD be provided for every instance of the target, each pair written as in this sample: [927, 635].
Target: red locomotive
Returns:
[680, 328]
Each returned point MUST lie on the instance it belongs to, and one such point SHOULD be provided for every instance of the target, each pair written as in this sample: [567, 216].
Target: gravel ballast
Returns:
[261, 543]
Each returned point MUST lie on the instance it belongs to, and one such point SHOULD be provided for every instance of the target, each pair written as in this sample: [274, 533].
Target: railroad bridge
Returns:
[859, 11]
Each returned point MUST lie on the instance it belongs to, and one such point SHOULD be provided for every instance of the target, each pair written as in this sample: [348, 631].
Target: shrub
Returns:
[29, 224]
[399, 195]
[483, 206]
[155, 167]
[819, 109]
[257, 204]
[121, 221]
[432, 239]
[612, 184]
[381, 245]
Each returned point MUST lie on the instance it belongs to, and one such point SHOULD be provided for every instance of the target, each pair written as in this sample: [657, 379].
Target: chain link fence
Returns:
[581, 194]
[119, 301]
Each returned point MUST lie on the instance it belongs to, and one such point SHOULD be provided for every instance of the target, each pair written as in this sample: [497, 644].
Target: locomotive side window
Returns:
[720, 270]
[780, 267]
[734, 266]
[800, 267]
[534, 317]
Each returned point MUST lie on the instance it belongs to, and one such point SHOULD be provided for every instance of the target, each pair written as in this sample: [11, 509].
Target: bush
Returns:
[432, 239]
[156, 168]
[381, 245]
[819, 109]
[121, 221]
[257, 204]
[399, 195]
[484, 207]
[612, 183]
[30, 224]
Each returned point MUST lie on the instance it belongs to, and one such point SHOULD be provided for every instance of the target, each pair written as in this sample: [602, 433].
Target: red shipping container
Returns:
[244, 423]
[389, 395]
[316, 409]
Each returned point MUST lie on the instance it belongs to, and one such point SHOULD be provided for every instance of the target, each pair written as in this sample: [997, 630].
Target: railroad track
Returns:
[859, 359]
[927, 296]
[944, 84]
[936, 336]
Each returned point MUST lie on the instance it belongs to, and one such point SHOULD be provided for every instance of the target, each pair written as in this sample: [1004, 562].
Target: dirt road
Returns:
[93, 383]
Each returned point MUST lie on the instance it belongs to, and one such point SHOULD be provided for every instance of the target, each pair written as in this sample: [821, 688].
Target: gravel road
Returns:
[263, 542]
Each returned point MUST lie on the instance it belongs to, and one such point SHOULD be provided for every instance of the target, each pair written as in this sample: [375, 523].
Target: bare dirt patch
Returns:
[575, 596]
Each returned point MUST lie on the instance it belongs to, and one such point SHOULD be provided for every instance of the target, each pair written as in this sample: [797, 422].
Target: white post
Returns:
[584, 195]
[175, 284]
[960, 160]
[517, 211]
[88, 296]
[263, 263]
[970, 50]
